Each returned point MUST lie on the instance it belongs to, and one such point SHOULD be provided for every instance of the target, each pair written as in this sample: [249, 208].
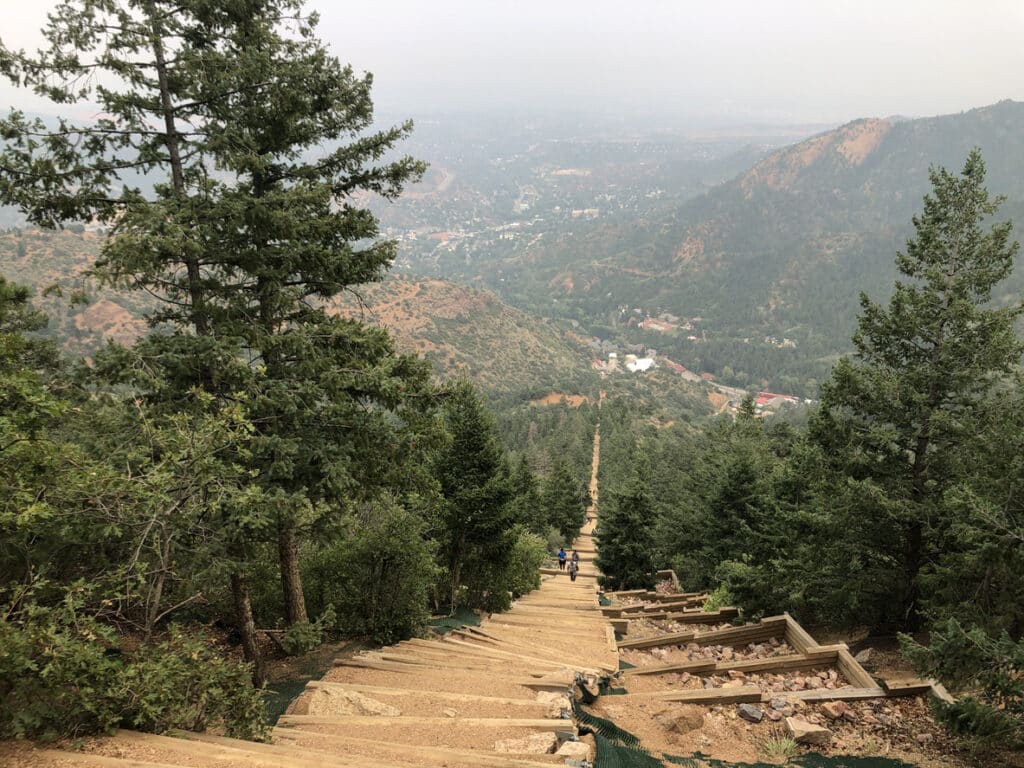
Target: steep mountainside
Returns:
[462, 331]
[81, 316]
[780, 251]
[468, 331]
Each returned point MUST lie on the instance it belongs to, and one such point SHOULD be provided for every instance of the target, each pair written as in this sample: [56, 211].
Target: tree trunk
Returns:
[247, 626]
[456, 572]
[913, 533]
[172, 140]
[291, 578]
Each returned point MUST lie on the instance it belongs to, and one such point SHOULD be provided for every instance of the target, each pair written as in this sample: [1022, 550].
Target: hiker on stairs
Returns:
[574, 566]
[561, 558]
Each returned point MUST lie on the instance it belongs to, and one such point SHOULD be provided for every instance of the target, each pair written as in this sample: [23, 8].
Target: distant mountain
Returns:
[782, 250]
[462, 331]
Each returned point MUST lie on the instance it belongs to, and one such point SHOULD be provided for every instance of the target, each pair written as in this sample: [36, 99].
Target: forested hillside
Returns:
[897, 508]
[239, 472]
[780, 252]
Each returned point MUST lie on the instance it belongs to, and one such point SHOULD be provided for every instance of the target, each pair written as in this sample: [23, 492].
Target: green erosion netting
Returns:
[804, 761]
[607, 690]
[463, 617]
[600, 726]
[602, 599]
[623, 664]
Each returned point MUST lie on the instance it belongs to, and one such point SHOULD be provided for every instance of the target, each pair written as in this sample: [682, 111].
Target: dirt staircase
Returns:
[498, 695]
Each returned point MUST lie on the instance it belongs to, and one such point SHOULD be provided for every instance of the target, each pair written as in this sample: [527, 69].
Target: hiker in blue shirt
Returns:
[561, 559]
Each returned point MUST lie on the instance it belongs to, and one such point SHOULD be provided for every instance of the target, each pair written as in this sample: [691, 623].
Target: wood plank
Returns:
[824, 657]
[216, 748]
[847, 693]
[696, 617]
[673, 638]
[388, 691]
[444, 755]
[798, 637]
[763, 630]
[739, 695]
[853, 671]
[695, 666]
[540, 724]
[907, 686]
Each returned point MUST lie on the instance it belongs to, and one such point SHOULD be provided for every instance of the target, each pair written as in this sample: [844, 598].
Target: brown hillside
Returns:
[851, 144]
[468, 331]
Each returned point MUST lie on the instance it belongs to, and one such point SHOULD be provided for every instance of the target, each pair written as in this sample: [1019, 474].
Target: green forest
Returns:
[253, 462]
[896, 509]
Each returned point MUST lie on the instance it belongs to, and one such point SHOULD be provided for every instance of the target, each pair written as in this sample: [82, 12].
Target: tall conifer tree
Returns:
[226, 161]
[893, 415]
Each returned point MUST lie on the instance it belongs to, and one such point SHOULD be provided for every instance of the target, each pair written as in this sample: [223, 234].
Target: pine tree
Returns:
[563, 505]
[476, 525]
[255, 140]
[625, 534]
[893, 415]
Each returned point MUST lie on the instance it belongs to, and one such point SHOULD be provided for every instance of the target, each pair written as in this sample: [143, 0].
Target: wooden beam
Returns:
[847, 693]
[739, 695]
[388, 691]
[748, 633]
[853, 671]
[539, 724]
[798, 637]
[442, 755]
[907, 686]
[696, 666]
[620, 625]
[822, 657]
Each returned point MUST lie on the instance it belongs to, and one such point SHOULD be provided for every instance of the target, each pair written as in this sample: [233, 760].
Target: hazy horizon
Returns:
[793, 62]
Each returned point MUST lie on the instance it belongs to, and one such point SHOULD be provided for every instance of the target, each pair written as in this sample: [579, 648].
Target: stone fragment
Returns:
[864, 656]
[534, 744]
[834, 710]
[804, 732]
[750, 713]
[450, 713]
[737, 674]
[924, 738]
[733, 684]
[575, 750]
[681, 719]
[774, 715]
[334, 701]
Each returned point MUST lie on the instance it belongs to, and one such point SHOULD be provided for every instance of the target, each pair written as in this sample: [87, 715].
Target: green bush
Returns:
[63, 674]
[187, 683]
[988, 670]
[720, 598]
[528, 555]
[57, 674]
[305, 636]
[380, 577]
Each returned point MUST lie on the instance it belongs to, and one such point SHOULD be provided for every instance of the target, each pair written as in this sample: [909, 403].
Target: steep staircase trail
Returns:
[471, 698]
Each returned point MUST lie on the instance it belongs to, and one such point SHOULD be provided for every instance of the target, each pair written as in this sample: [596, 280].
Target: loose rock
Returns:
[750, 713]
[681, 719]
[534, 744]
[804, 732]
[575, 750]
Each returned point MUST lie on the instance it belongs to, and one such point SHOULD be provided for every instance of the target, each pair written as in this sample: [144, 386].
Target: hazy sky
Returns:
[778, 60]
